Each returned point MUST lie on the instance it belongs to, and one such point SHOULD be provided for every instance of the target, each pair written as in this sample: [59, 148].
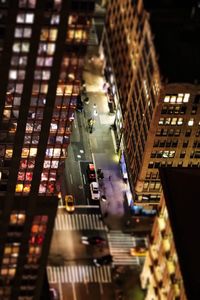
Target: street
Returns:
[70, 265]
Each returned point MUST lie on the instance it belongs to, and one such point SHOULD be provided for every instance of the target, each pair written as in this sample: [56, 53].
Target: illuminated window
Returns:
[17, 218]
[42, 188]
[180, 98]
[40, 61]
[48, 34]
[25, 47]
[161, 121]
[166, 99]
[186, 98]
[173, 99]
[19, 188]
[55, 19]
[47, 164]
[25, 152]
[27, 32]
[27, 3]
[57, 152]
[19, 88]
[18, 32]
[180, 121]
[25, 18]
[191, 122]
[50, 48]
[9, 153]
[29, 176]
[54, 164]
[13, 74]
[57, 4]
[16, 47]
[23, 32]
[33, 152]
[44, 88]
[21, 176]
[23, 60]
[26, 188]
[29, 127]
[171, 154]
[167, 121]
[46, 75]
[48, 61]
[21, 75]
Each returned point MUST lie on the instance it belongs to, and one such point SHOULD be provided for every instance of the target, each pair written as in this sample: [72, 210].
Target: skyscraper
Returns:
[170, 270]
[42, 48]
[151, 53]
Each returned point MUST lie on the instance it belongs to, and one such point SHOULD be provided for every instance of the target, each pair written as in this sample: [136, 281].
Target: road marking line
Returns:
[87, 206]
[95, 274]
[70, 175]
[62, 274]
[66, 274]
[74, 291]
[99, 279]
[84, 181]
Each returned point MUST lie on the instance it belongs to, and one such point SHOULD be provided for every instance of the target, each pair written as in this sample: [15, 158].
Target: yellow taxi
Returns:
[69, 203]
[138, 251]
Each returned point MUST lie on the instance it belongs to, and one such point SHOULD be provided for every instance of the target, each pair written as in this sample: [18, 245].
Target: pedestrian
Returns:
[109, 177]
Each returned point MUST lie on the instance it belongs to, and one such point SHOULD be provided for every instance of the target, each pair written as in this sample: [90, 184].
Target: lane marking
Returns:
[87, 206]
[74, 291]
[84, 181]
[70, 175]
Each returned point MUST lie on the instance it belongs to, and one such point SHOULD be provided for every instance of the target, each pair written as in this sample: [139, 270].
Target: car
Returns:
[93, 240]
[94, 189]
[53, 294]
[91, 174]
[138, 251]
[69, 203]
[103, 260]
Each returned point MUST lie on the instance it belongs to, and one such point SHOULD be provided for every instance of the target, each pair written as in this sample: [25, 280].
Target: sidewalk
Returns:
[102, 144]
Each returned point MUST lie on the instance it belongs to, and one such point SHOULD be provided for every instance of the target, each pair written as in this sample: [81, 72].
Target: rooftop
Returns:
[182, 196]
[176, 28]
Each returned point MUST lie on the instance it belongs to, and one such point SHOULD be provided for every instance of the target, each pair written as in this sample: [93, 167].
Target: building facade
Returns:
[161, 275]
[171, 267]
[157, 106]
[42, 48]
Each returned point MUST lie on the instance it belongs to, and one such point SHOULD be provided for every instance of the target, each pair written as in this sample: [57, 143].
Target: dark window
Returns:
[197, 99]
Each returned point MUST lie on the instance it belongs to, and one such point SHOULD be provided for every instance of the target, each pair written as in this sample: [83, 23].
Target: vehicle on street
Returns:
[53, 294]
[91, 174]
[103, 260]
[94, 189]
[69, 203]
[93, 240]
[138, 251]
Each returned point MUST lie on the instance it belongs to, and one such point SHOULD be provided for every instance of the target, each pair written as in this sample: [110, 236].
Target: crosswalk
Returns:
[120, 244]
[79, 222]
[69, 274]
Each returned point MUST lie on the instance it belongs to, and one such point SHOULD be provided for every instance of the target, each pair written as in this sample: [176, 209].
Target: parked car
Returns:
[103, 260]
[91, 174]
[69, 203]
[94, 189]
[93, 240]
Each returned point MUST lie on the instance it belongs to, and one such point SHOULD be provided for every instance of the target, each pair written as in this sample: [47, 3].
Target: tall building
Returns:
[171, 267]
[152, 70]
[42, 48]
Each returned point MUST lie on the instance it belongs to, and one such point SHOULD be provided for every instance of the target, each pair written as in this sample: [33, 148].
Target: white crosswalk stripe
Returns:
[74, 274]
[79, 222]
[120, 244]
